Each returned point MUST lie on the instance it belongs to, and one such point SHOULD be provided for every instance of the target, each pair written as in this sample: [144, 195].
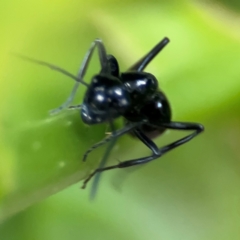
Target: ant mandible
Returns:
[134, 95]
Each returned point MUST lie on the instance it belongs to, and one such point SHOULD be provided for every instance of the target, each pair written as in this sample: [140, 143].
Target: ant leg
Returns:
[156, 152]
[101, 53]
[104, 159]
[75, 107]
[115, 134]
[147, 141]
[103, 61]
[145, 60]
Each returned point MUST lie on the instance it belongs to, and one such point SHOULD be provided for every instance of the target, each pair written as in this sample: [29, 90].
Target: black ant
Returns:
[134, 95]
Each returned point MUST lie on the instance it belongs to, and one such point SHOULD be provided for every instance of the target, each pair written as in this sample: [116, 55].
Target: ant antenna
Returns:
[53, 67]
[104, 66]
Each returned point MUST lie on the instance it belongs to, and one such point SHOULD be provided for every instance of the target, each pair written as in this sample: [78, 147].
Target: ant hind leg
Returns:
[157, 152]
[145, 60]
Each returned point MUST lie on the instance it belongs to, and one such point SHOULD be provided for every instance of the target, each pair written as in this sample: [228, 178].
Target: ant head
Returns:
[105, 99]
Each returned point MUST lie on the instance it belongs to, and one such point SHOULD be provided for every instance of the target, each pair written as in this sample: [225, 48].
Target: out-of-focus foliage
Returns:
[191, 193]
[232, 4]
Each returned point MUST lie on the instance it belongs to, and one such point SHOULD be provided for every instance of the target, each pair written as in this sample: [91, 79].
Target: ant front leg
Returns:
[157, 152]
[75, 107]
[113, 137]
[103, 161]
[144, 61]
[115, 134]
[104, 66]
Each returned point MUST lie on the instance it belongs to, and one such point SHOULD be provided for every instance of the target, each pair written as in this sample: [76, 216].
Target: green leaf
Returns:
[40, 154]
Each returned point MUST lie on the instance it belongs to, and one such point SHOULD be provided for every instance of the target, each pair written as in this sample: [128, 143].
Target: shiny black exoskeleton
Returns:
[134, 95]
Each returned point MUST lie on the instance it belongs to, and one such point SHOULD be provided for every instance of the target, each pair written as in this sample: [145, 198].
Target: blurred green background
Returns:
[191, 193]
